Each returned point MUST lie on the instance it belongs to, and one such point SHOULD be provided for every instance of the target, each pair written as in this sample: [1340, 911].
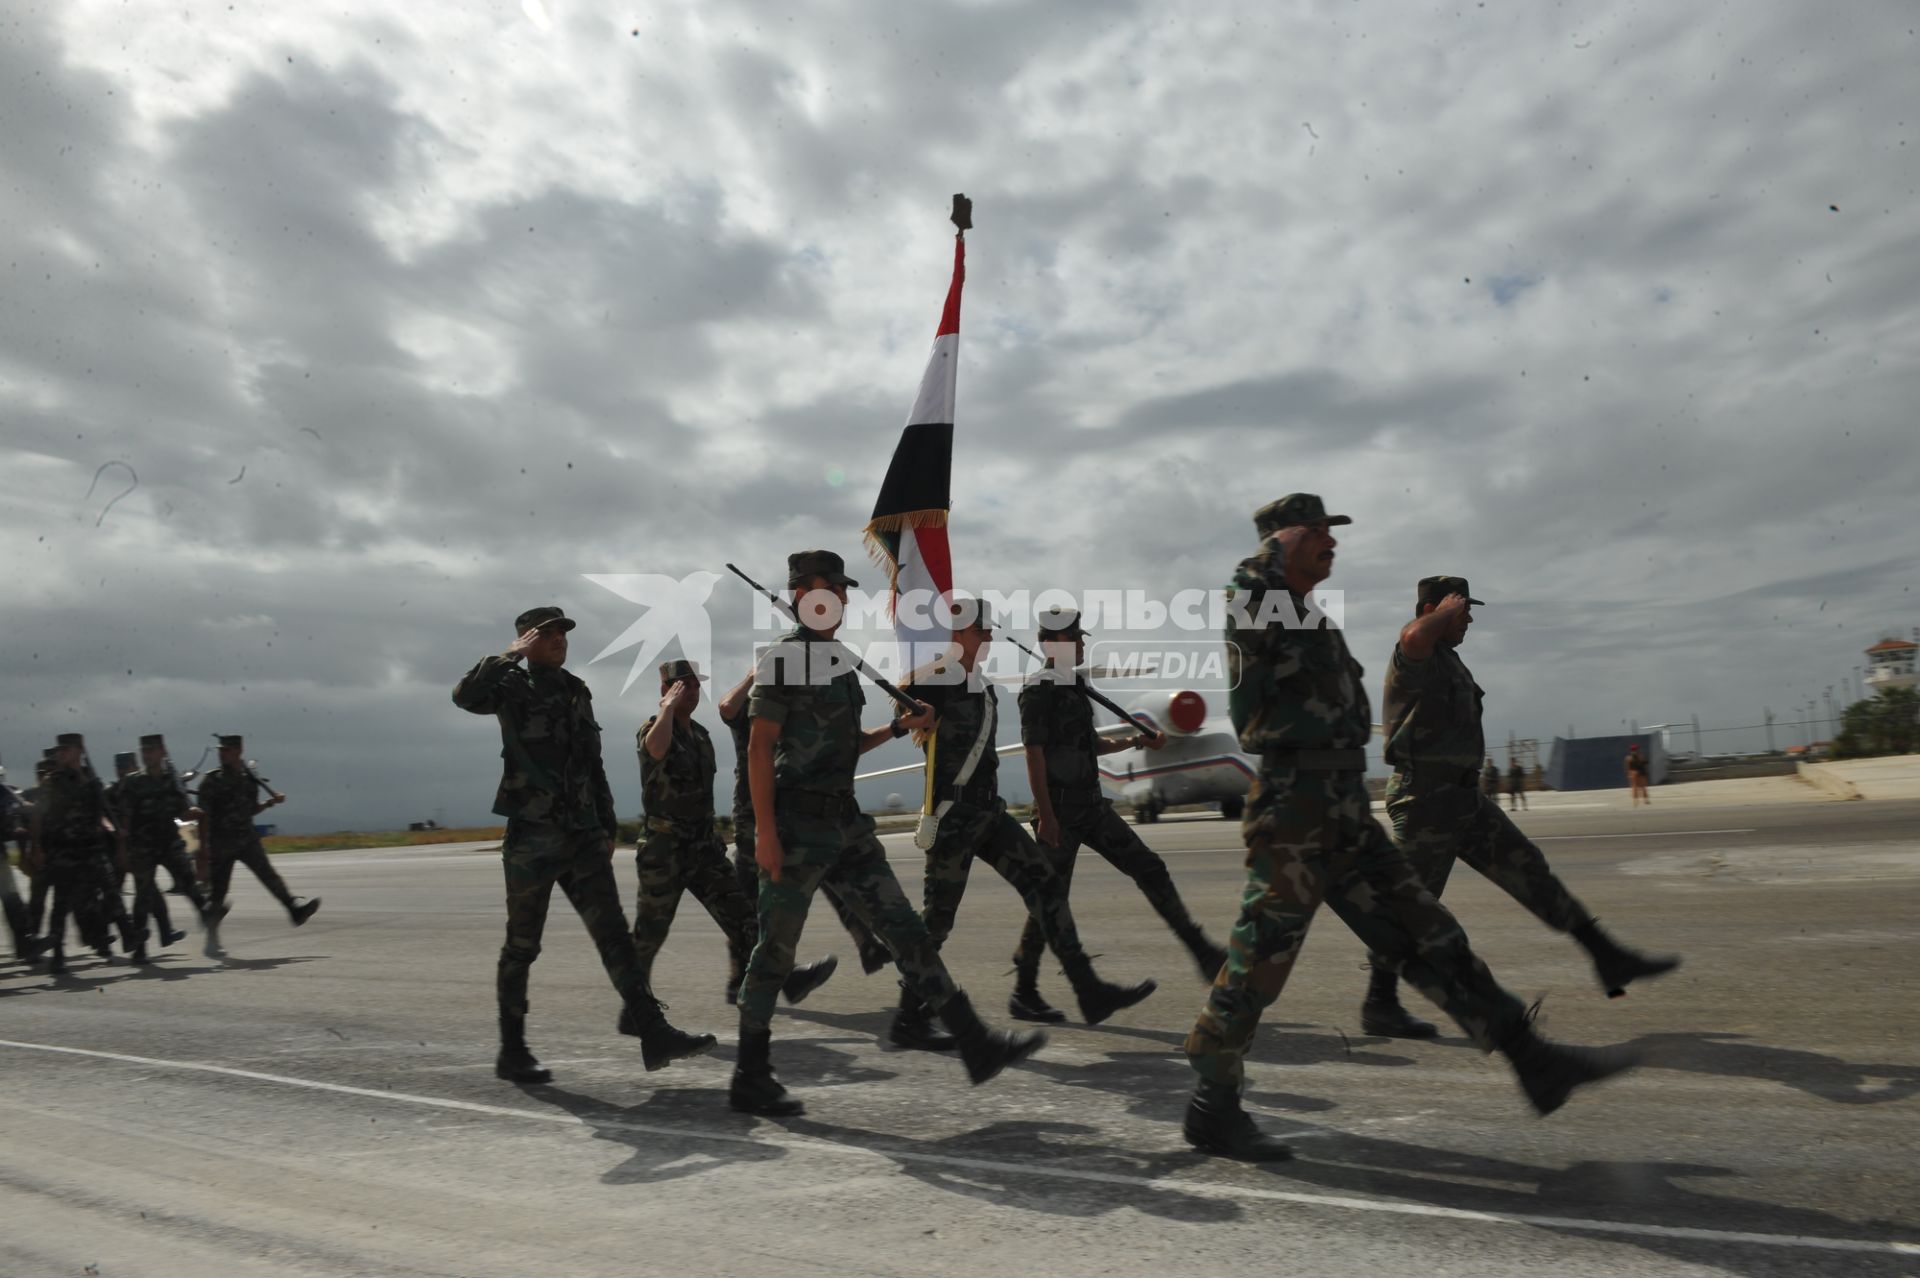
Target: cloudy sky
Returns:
[406, 317]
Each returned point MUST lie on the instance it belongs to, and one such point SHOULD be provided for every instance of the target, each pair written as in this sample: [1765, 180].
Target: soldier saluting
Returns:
[805, 743]
[560, 831]
[1298, 702]
[231, 797]
[1433, 729]
[1070, 810]
[681, 851]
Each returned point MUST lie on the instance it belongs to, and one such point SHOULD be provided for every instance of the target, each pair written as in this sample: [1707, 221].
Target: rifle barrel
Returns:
[873, 676]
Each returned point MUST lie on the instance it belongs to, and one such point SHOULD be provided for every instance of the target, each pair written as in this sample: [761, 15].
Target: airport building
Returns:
[1890, 664]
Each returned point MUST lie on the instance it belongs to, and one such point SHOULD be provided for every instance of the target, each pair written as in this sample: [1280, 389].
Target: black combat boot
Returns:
[1098, 999]
[1026, 1004]
[56, 958]
[1207, 956]
[986, 1051]
[661, 1044]
[1548, 1071]
[1382, 1015]
[171, 936]
[516, 1063]
[1216, 1124]
[873, 956]
[803, 981]
[302, 912]
[25, 944]
[912, 1026]
[1616, 965]
[755, 1090]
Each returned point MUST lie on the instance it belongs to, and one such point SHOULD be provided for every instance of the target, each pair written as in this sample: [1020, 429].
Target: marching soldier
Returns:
[154, 802]
[967, 819]
[1433, 730]
[230, 795]
[1516, 786]
[71, 838]
[14, 819]
[680, 852]
[733, 713]
[30, 860]
[805, 743]
[1298, 702]
[560, 832]
[1070, 810]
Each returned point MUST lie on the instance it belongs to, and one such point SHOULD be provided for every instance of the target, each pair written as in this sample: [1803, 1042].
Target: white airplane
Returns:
[1201, 762]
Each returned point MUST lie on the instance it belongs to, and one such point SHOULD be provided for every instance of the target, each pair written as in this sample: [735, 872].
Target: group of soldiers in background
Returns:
[1297, 702]
[81, 838]
[1516, 783]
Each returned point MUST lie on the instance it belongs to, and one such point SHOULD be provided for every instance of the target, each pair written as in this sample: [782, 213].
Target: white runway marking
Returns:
[1202, 1189]
[1639, 834]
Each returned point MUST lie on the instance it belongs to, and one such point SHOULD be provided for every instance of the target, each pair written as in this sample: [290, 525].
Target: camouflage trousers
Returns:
[1311, 837]
[536, 856]
[80, 879]
[672, 862]
[225, 850]
[845, 850]
[989, 834]
[145, 860]
[873, 952]
[1092, 821]
[1434, 828]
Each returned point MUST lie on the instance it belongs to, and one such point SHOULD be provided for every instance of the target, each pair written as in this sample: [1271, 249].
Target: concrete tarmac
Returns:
[322, 1102]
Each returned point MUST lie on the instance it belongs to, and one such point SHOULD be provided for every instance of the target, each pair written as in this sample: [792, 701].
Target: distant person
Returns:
[155, 802]
[73, 845]
[560, 832]
[1433, 731]
[1637, 776]
[1490, 779]
[1516, 786]
[232, 796]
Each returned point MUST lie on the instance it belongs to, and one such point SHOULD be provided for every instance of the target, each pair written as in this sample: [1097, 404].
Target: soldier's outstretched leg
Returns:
[1026, 1002]
[255, 858]
[1004, 844]
[1103, 829]
[530, 879]
[713, 883]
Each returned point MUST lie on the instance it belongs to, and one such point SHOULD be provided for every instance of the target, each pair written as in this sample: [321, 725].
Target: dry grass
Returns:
[386, 839]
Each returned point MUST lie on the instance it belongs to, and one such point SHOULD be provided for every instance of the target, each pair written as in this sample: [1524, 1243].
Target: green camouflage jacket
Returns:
[678, 786]
[803, 686]
[962, 711]
[1057, 717]
[151, 804]
[230, 799]
[551, 771]
[1291, 688]
[1432, 710]
[70, 805]
[741, 728]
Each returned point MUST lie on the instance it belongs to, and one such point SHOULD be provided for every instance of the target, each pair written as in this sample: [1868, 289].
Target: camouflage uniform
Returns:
[1058, 717]
[230, 797]
[79, 860]
[822, 829]
[977, 825]
[873, 954]
[681, 852]
[152, 802]
[560, 819]
[1298, 702]
[1434, 801]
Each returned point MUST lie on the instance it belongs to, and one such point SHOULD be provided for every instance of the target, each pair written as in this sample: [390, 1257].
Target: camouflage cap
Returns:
[678, 669]
[126, 761]
[232, 741]
[1061, 623]
[69, 739]
[153, 740]
[965, 610]
[540, 618]
[48, 752]
[804, 565]
[1432, 590]
[1294, 508]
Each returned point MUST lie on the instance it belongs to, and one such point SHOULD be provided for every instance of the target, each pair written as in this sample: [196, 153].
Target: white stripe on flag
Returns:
[920, 642]
[935, 401]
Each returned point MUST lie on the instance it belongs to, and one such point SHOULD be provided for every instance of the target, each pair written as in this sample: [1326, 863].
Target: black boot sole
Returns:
[1123, 997]
[1404, 1025]
[702, 1044]
[524, 1078]
[799, 986]
[994, 1068]
[1270, 1152]
[1615, 983]
[785, 1107]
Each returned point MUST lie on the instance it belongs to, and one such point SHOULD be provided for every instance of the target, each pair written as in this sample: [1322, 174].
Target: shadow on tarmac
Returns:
[1733, 1056]
[654, 1160]
[96, 974]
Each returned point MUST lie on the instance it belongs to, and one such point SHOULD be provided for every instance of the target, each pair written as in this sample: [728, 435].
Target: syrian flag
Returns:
[907, 535]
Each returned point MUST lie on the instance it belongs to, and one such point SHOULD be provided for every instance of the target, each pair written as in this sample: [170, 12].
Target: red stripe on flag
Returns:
[932, 545]
[950, 314]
